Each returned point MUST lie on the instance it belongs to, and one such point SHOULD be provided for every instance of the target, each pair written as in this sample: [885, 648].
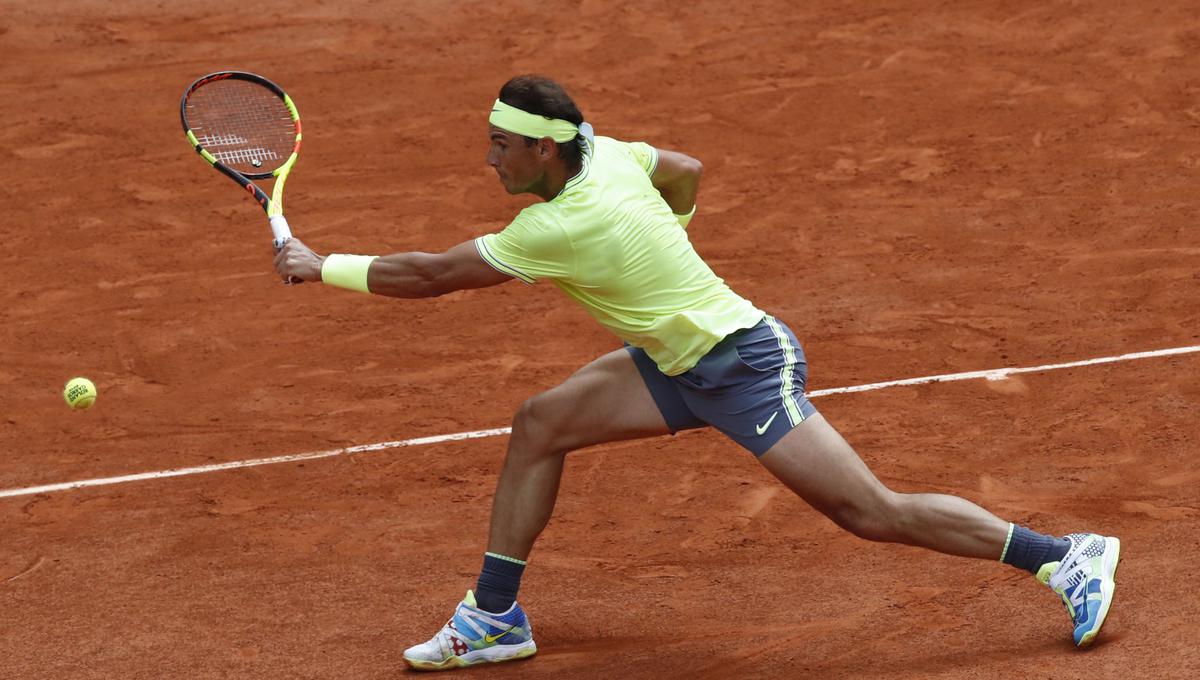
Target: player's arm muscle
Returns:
[418, 275]
[677, 178]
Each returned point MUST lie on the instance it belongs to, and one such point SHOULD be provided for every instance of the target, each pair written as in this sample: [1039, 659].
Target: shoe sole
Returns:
[1107, 589]
[477, 657]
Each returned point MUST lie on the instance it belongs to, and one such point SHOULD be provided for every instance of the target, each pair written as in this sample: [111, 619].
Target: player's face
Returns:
[518, 165]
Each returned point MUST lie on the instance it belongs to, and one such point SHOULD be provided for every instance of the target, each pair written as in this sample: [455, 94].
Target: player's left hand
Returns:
[297, 261]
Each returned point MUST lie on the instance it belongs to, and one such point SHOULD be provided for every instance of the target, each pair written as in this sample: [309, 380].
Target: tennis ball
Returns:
[80, 393]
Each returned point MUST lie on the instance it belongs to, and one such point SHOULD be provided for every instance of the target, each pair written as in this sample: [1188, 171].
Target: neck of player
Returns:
[557, 175]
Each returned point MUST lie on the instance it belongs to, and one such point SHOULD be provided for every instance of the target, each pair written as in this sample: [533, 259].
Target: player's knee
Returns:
[871, 517]
[536, 430]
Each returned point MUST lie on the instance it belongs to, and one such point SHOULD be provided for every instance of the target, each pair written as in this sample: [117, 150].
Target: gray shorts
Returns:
[750, 386]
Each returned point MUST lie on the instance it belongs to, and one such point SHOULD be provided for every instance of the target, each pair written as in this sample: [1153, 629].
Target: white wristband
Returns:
[347, 271]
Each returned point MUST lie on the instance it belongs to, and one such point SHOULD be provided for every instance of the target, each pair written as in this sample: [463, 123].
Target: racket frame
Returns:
[273, 205]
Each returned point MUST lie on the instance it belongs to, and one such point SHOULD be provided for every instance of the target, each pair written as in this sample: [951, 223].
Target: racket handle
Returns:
[281, 230]
[283, 234]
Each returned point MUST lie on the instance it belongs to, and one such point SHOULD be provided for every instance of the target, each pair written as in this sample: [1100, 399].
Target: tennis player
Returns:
[611, 234]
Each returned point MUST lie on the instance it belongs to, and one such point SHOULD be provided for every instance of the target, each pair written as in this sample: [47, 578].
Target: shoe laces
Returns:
[1076, 567]
[473, 618]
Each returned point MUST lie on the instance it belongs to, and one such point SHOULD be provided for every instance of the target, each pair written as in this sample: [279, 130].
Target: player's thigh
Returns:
[606, 400]
[815, 462]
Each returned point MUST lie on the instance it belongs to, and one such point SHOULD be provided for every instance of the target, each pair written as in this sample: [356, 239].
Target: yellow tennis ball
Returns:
[80, 393]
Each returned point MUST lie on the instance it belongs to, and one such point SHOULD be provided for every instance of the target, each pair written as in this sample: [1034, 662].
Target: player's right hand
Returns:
[297, 261]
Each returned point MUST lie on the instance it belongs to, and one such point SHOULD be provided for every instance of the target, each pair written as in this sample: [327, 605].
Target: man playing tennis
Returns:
[611, 234]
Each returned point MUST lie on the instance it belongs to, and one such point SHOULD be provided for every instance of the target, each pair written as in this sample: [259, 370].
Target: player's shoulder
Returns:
[641, 153]
[611, 143]
[539, 217]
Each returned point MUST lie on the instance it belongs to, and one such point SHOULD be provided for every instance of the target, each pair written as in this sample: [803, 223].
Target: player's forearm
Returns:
[681, 194]
[403, 275]
[677, 178]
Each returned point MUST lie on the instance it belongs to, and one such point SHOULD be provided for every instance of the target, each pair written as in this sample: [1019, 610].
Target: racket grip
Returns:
[281, 230]
[283, 234]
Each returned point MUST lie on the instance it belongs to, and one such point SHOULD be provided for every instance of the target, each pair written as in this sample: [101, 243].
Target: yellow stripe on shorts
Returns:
[786, 374]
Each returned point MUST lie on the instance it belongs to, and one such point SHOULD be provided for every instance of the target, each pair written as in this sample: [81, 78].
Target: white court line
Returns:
[991, 374]
[1002, 373]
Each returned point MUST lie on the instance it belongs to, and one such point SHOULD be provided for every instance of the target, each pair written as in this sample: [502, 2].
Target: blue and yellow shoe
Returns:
[1085, 579]
[473, 636]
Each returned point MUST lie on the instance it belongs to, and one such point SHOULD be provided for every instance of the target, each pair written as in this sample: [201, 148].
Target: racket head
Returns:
[242, 123]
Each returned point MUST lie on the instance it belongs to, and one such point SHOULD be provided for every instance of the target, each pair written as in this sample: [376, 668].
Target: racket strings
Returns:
[242, 124]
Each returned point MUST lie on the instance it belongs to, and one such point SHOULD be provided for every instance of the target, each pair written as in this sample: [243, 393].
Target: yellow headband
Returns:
[512, 119]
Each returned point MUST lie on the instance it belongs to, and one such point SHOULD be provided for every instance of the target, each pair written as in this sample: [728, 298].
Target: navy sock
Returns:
[498, 583]
[1029, 550]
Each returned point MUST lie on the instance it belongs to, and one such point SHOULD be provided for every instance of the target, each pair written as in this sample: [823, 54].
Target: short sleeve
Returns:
[645, 155]
[532, 247]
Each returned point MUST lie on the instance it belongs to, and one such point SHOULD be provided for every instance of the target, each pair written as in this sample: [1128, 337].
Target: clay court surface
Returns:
[917, 188]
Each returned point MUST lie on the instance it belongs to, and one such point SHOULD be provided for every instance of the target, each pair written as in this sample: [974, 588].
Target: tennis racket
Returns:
[248, 128]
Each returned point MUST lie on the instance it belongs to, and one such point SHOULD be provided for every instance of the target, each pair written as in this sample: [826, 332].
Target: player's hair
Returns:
[544, 97]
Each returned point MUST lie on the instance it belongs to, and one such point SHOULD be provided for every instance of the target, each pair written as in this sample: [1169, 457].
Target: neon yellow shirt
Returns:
[611, 243]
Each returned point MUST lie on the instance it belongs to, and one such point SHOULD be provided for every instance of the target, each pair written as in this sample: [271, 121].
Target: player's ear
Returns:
[546, 148]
